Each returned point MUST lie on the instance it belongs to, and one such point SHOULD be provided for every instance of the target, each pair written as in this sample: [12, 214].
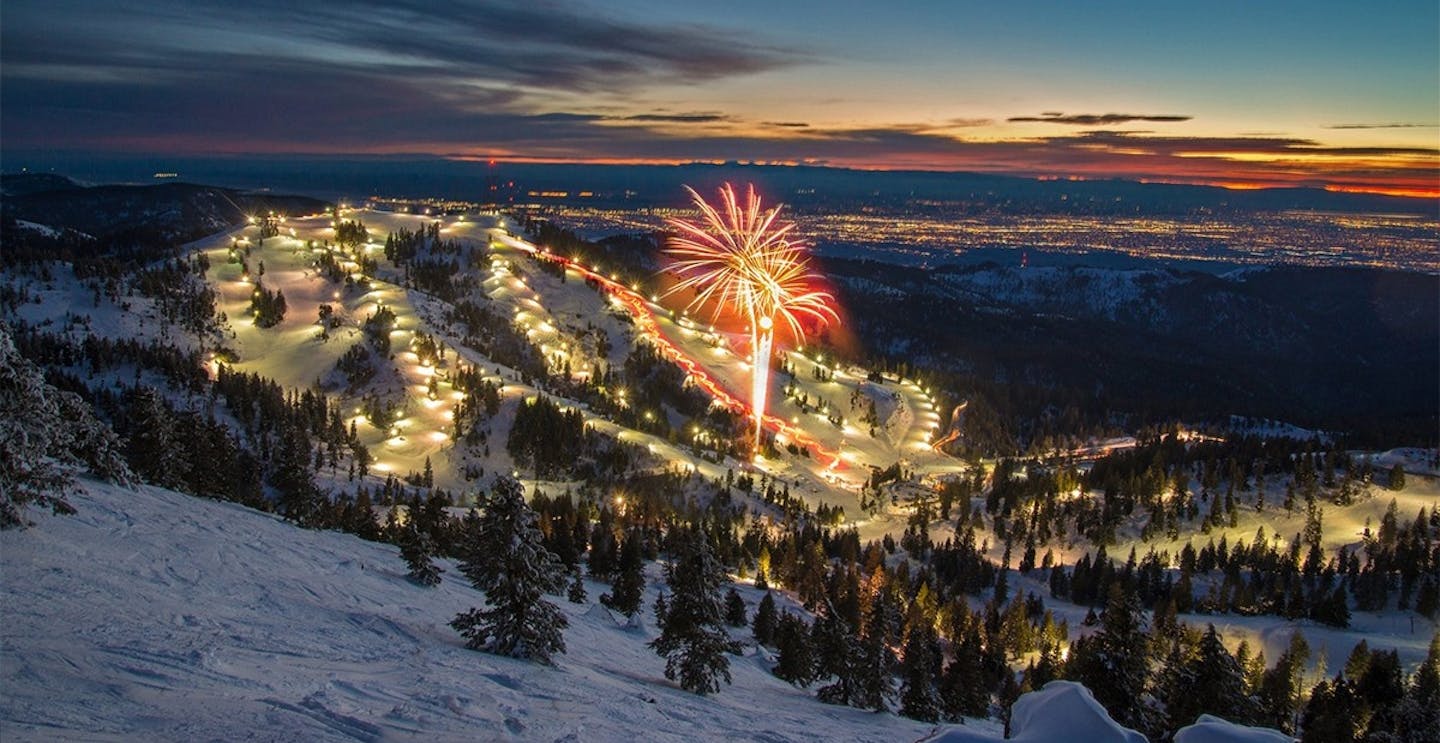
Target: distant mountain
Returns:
[180, 210]
[24, 184]
[805, 187]
[49, 216]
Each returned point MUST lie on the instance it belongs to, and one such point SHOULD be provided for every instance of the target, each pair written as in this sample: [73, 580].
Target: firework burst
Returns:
[740, 258]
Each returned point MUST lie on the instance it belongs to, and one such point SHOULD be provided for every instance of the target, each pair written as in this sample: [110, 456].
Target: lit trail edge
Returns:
[742, 261]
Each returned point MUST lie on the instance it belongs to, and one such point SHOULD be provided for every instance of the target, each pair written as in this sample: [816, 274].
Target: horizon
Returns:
[1337, 97]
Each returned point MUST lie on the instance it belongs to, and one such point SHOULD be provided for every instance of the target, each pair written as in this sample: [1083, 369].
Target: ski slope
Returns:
[156, 615]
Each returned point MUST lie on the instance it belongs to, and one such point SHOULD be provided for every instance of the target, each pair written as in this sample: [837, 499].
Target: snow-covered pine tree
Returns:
[1220, 682]
[506, 558]
[417, 551]
[1113, 662]
[692, 638]
[1417, 716]
[628, 591]
[46, 436]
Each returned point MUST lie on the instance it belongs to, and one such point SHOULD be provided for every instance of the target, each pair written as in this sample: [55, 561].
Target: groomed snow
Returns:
[155, 615]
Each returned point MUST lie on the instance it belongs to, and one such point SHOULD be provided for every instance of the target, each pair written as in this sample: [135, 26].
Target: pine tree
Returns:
[508, 561]
[873, 663]
[153, 445]
[692, 638]
[602, 546]
[416, 549]
[918, 697]
[1280, 688]
[734, 609]
[576, 594]
[1217, 686]
[1334, 713]
[1417, 716]
[795, 662]
[1112, 663]
[46, 436]
[963, 688]
[1397, 477]
[763, 626]
[300, 499]
[628, 590]
[835, 649]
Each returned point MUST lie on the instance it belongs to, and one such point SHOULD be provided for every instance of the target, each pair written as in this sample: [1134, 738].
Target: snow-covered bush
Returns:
[46, 436]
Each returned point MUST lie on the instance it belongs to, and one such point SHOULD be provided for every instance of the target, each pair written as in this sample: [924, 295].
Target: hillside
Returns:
[157, 615]
[1333, 349]
[123, 220]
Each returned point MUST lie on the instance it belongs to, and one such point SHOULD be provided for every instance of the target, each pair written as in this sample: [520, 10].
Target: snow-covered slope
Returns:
[155, 615]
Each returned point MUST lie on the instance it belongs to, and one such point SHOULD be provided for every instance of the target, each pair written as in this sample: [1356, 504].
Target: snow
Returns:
[1060, 711]
[1211, 729]
[152, 614]
[1065, 710]
[1413, 460]
[43, 229]
[1110, 293]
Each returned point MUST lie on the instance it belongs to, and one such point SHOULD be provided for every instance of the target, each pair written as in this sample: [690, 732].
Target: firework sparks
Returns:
[741, 258]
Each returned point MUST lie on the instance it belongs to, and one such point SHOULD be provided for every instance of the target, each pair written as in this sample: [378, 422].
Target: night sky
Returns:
[1344, 95]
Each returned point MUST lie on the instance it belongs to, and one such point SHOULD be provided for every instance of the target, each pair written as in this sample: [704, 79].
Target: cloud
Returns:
[694, 118]
[1056, 117]
[1383, 126]
[541, 79]
[543, 47]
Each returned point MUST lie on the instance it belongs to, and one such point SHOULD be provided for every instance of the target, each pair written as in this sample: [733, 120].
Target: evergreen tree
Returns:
[1397, 477]
[506, 559]
[1280, 688]
[1216, 686]
[300, 499]
[872, 663]
[417, 550]
[1417, 716]
[795, 661]
[763, 626]
[963, 687]
[153, 445]
[692, 637]
[918, 697]
[1112, 663]
[628, 590]
[734, 609]
[46, 436]
[1334, 714]
[576, 594]
[834, 650]
[602, 546]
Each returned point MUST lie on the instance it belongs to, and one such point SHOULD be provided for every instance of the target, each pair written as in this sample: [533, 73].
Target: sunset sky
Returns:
[1344, 95]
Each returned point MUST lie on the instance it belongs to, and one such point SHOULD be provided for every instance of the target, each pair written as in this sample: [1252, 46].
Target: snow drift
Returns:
[1211, 729]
